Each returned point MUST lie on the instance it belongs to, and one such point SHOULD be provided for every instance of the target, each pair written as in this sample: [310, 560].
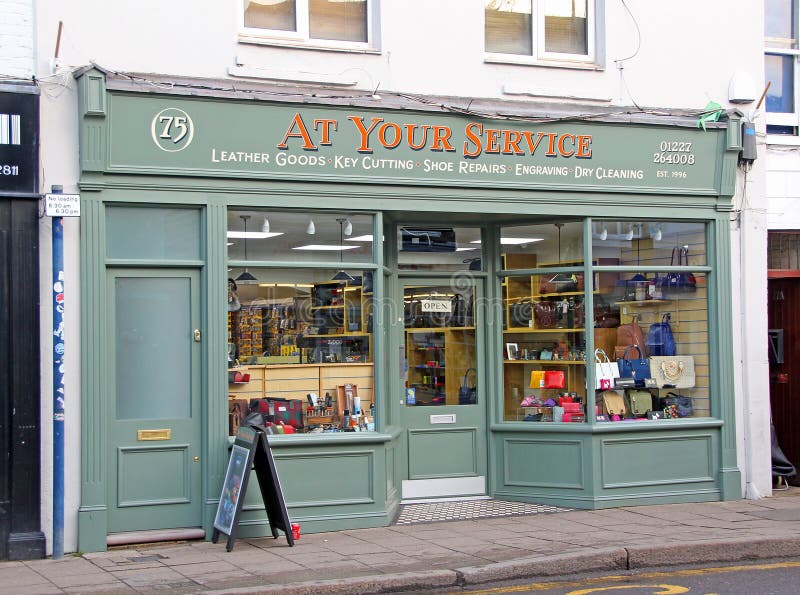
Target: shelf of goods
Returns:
[438, 358]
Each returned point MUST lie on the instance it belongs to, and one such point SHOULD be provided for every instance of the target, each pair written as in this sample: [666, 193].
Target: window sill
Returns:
[530, 61]
[308, 45]
[785, 140]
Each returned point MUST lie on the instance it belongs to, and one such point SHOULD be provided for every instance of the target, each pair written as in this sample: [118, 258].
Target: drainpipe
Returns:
[58, 383]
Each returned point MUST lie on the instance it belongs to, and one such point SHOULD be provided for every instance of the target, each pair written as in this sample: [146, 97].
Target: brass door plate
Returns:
[142, 435]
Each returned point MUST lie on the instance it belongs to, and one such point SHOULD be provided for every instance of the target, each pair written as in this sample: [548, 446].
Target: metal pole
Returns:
[58, 387]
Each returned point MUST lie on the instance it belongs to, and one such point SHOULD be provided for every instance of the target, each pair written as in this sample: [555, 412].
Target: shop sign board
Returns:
[62, 205]
[186, 136]
[19, 142]
[250, 450]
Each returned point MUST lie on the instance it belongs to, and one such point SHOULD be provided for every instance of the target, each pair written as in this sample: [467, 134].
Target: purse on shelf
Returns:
[554, 379]
[683, 404]
[613, 403]
[467, 395]
[638, 368]
[544, 314]
[520, 314]
[641, 402]
[605, 371]
[631, 333]
[676, 371]
[679, 281]
[537, 379]
[660, 340]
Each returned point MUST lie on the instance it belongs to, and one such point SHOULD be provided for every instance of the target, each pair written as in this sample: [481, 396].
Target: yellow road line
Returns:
[643, 576]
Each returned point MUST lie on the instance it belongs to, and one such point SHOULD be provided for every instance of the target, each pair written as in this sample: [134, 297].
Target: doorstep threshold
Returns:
[151, 536]
[448, 499]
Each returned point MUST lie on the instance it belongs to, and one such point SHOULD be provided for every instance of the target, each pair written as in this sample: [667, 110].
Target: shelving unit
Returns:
[340, 312]
[438, 358]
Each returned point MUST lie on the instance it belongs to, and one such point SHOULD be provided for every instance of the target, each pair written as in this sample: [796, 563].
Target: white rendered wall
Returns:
[16, 38]
[684, 57]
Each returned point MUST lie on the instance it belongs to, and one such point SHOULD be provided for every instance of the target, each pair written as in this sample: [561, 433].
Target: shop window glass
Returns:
[296, 237]
[539, 28]
[144, 233]
[310, 19]
[435, 248]
[655, 320]
[542, 245]
[300, 339]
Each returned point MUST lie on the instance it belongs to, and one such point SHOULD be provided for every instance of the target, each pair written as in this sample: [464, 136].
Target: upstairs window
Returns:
[328, 21]
[780, 66]
[559, 30]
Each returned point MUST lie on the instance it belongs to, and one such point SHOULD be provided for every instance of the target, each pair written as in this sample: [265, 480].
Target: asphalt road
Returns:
[762, 578]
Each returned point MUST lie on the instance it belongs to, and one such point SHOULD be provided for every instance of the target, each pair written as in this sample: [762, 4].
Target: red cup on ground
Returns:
[295, 531]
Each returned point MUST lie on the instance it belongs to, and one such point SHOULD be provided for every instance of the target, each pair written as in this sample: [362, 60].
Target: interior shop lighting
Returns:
[629, 235]
[364, 238]
[245, 276]
[311, 229]
[348, 227]
[655, 232]
[324, 247]
[466, 248]
[604, 234]
[513, 241]
[265, 226]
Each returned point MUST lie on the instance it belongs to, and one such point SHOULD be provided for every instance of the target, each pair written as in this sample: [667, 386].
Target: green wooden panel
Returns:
[638, 461]
[442, 453]
[201, 137]
[327, 478]
[170, 484]
[543, 463]
[147, 233]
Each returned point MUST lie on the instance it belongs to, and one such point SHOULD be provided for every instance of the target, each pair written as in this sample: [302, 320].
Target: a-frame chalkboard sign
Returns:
[251, 451]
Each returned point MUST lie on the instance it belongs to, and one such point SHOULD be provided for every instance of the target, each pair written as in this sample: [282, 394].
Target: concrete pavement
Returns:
[435, 555]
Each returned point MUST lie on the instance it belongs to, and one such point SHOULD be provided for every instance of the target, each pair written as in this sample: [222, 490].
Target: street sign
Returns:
[62, 205]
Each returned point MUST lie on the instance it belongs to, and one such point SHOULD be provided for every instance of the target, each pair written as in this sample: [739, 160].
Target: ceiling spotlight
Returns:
[629, 235]
[604, 234]
[656, 232]
[311, 230]
[265, 226]
[348, 228]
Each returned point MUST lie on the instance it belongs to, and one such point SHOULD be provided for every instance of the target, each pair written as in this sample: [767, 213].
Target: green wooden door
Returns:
[154, 402]
[444, 400]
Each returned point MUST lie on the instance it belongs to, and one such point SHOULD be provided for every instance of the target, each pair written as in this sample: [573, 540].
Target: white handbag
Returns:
[605, 371]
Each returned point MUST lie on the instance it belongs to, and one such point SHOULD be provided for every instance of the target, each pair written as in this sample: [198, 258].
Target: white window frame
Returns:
[542, 57]
[786, 118]
[300, 37]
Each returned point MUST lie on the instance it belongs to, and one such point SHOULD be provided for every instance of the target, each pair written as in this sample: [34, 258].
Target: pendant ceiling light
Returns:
[245, 276]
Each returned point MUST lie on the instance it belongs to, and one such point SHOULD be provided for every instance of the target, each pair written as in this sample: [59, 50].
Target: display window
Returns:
[649, 323]
[300, 339]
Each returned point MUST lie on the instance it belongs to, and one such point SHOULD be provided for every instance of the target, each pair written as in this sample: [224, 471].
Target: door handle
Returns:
[197, 335]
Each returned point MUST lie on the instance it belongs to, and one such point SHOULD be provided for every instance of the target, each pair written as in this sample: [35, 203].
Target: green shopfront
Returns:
[418, 304]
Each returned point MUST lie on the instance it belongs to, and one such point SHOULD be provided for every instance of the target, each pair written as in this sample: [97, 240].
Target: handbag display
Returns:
[631, 334]
[520, 314]
[554, 379]
[605, 371]
[544, 314]
[660, 340]
[683, 404]
[537, 379]
[468, 395]
[679, 281]
[676, 371]
[641, 402]
[613, 403]
[638, 368]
